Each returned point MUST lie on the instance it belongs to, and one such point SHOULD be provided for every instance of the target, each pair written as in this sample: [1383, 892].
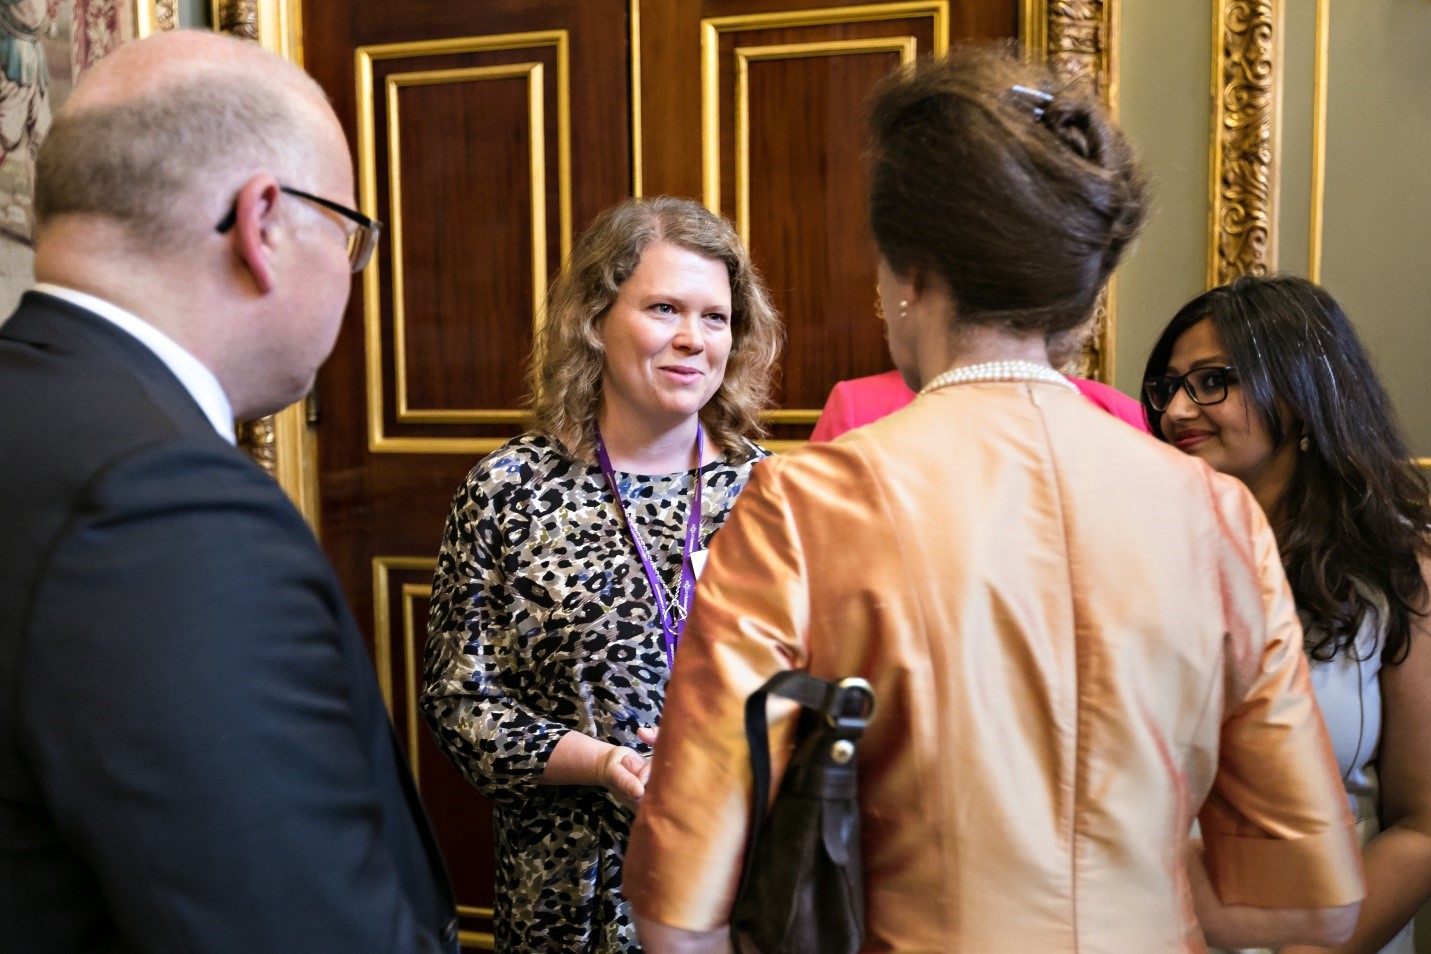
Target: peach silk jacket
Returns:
[1080, 640]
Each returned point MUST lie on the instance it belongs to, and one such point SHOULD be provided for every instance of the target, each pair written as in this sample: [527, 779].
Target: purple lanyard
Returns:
[673, 618]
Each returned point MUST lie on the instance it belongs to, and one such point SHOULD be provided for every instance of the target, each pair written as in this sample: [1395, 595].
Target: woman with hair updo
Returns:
[571, 553]
[1079, 639]
[1265, 379]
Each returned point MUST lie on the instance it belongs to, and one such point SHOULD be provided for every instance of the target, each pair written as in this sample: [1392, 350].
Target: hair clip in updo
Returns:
[1040, 99]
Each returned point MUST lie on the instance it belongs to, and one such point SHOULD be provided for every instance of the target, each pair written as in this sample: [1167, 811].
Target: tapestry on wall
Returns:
[44, 46]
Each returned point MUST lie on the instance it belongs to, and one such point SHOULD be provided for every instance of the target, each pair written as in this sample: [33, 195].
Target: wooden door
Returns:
[765, 122]
[488, 135]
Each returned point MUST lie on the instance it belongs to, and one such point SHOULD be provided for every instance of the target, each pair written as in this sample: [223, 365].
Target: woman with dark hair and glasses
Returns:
[1079, 640]
[1264, 379]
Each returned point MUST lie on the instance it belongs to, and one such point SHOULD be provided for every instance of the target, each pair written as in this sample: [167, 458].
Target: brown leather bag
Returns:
[801, 889]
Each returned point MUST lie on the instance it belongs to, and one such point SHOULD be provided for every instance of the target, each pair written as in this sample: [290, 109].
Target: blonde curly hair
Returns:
[568, 358]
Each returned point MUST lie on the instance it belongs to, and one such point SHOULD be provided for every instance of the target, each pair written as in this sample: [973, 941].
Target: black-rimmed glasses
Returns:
[361, 241]
[1204, 386]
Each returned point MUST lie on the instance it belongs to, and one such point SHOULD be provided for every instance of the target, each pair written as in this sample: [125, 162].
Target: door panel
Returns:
[486, 119]
[483, 154]
[780, 97]
[489, 135]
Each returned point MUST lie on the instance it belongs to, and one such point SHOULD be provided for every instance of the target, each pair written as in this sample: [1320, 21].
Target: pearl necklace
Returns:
[997, 371]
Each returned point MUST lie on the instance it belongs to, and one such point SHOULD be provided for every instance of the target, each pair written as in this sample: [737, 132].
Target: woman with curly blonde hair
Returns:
[571, 553]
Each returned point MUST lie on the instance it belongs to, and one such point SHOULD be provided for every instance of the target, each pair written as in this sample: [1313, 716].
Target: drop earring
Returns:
[1305, 444]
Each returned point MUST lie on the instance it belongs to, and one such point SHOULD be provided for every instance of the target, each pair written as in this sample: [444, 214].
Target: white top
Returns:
[197, 379]
[1348, 690]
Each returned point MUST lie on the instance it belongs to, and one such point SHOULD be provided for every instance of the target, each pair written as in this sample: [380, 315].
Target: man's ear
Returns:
[256, 216]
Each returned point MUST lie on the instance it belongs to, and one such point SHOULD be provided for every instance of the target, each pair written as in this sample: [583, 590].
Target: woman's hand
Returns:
[578, 759]
[623, 772]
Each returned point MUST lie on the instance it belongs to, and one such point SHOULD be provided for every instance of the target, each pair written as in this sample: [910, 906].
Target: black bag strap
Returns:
[845, 708]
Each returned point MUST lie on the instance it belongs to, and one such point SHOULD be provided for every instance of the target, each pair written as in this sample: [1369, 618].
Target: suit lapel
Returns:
[65, 328]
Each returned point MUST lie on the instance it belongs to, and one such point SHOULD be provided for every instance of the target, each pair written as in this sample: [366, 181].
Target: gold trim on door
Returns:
[713, 27]
[411, 593]
[905, 46]
[634, 21]
[536, 144]
[383, 567]
[481, 940]
[366, 56]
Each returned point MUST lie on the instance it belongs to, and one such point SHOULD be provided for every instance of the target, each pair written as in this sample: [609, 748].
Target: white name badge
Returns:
[698, 562]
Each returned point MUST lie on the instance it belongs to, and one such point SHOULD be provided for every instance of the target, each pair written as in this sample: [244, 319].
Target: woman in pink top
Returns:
[861, 400]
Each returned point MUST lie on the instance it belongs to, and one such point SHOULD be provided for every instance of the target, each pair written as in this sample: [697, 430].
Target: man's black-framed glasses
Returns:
[1204, 386]
[361, 241]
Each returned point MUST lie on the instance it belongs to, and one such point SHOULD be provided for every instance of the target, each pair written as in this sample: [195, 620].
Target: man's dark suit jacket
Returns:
[194, 754]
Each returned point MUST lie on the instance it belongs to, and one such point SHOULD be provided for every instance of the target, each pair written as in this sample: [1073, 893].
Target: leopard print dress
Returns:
[543, 622]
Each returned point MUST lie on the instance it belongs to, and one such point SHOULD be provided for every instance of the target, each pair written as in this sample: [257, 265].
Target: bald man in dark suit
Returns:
[194, 754]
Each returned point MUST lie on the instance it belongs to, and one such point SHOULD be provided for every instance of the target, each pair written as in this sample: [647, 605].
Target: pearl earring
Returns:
[1305, 444]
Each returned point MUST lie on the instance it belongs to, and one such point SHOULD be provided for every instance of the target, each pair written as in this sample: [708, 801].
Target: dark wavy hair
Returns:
[1356, 507]
[1012, 184]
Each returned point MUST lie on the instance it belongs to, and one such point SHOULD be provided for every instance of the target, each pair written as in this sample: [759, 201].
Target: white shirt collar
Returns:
[198, 380]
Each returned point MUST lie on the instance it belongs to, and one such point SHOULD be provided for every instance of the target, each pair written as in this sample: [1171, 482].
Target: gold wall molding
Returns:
[259, 438]
[379, 441]
[1081, 45]
[276, 24]
[1242, 172]
[156, 16]
[1078, 39]
[1319, 139]
[237, 18]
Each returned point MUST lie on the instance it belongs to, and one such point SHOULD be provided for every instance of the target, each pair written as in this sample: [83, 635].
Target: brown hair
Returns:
[568, 358]
[1017, 190]
[150, 162]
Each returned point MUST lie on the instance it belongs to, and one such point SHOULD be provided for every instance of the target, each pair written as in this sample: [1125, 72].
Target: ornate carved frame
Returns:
[236, 17]
[165, 13]
[1079, 40]
[1242, 168]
